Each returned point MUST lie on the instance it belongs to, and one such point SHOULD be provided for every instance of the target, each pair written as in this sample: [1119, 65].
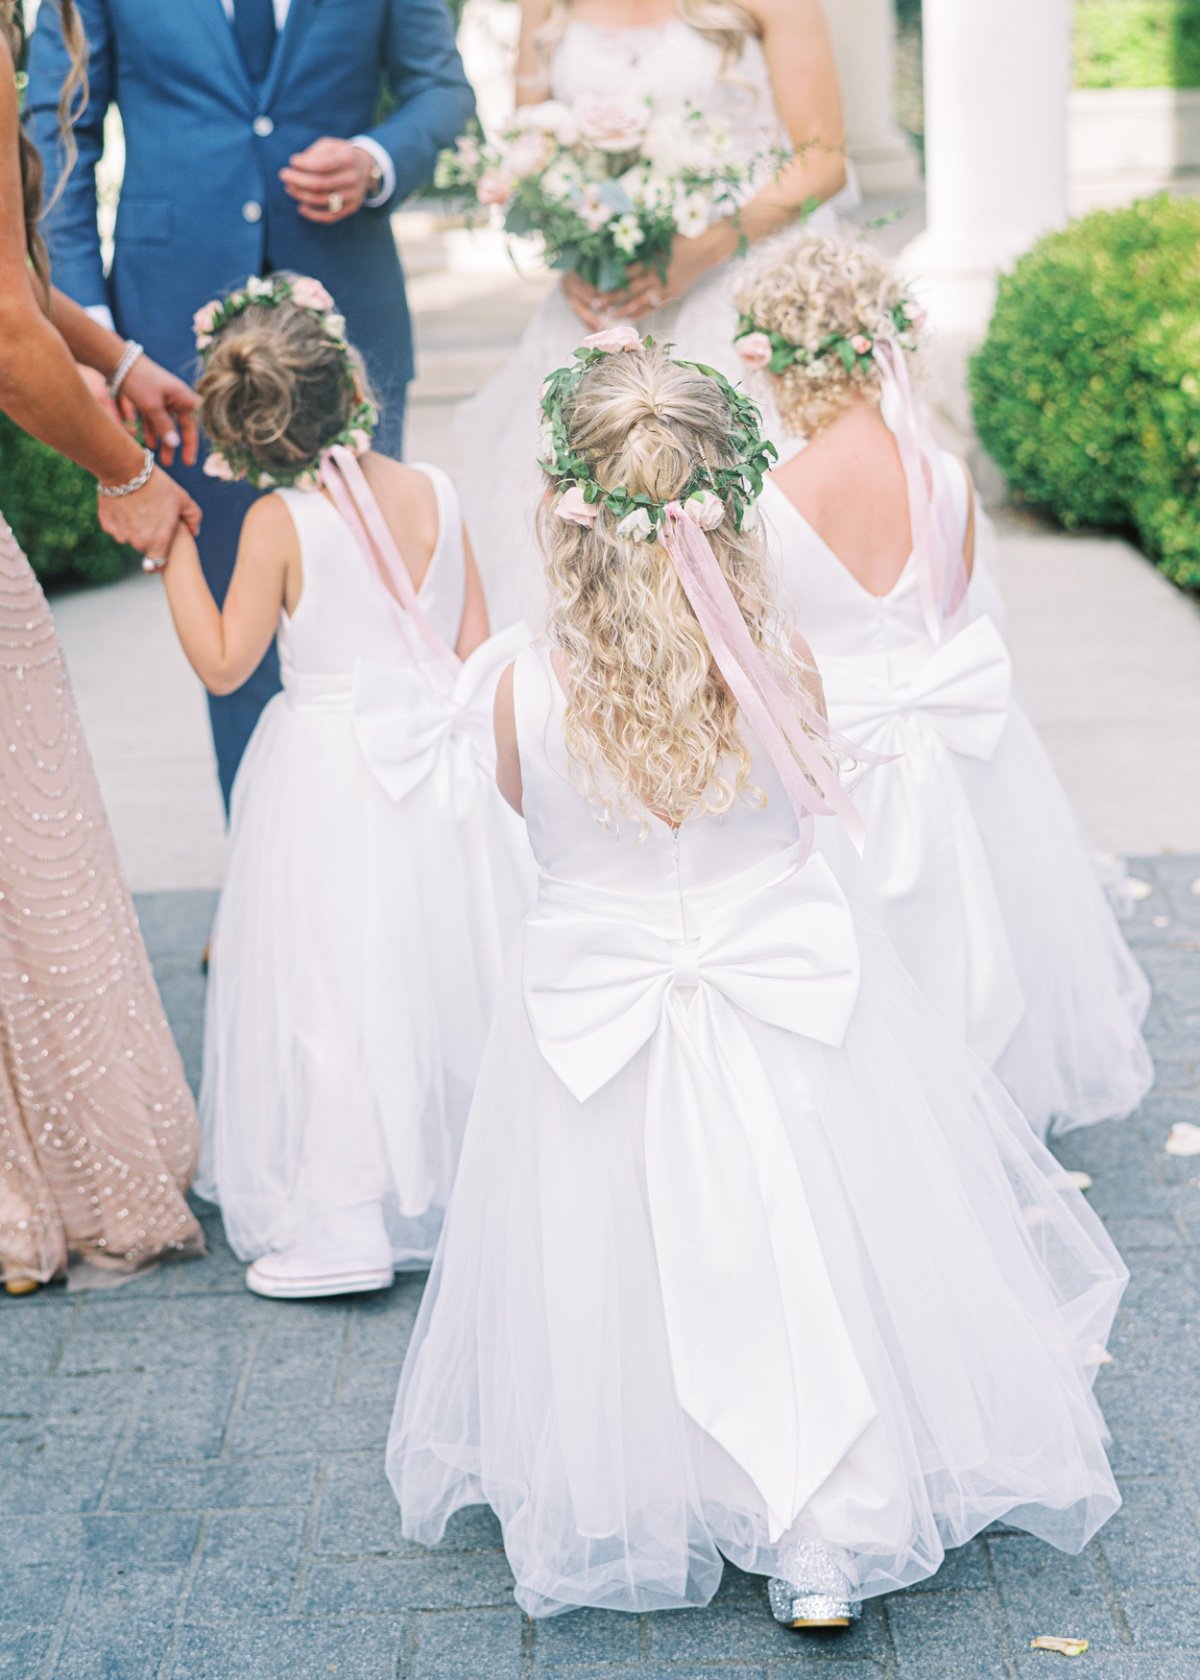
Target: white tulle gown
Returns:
[497, 429]
[974, 863]
[748, 1256]
[373, 874]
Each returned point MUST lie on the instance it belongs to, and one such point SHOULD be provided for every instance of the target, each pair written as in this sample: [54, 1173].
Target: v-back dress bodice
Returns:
[346, 613]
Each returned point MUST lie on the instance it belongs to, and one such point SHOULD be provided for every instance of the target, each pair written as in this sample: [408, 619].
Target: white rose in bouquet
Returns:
[562, 179]
[646, 188]
[552, 117]
[667, 142]
[691, 215]
[627, 234]
[611, 123]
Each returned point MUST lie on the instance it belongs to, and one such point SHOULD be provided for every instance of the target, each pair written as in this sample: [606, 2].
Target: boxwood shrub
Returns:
[1137, 43]
[1086, 390]
[51, 505]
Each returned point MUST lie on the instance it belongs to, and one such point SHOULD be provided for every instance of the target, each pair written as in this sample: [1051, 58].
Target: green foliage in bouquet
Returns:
[1137, 43]
[1086, 390]
[51, 505]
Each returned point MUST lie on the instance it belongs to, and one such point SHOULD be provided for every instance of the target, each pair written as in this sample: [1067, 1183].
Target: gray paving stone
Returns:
[65, 1473]
[487, 1645]
[716, 1635]
[1043, 1591]
[317, 1649]
[37, 1592]
[671, 1671]
[215, 1486]
[333, 1429]
[440, 1581]
[185, 1414]
[602, 1636]
[1153, 1540]
[1164, 1619]
[21, 1649]
[1109, 1666]
[358, 1509]
[946, 1636]
[248, 1565]
[107, 1643]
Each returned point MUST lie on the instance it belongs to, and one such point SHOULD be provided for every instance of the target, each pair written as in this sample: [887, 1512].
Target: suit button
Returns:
[263, 126]
[251, 211]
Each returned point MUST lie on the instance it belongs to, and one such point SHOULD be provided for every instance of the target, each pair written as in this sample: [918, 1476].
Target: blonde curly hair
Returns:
[807, 287]
[650, 726]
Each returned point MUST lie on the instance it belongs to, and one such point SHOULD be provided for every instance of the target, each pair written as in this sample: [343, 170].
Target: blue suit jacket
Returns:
[202, 206]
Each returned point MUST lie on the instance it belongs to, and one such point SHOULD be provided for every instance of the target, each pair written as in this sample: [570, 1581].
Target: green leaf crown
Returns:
[737, 487]
[233, 464]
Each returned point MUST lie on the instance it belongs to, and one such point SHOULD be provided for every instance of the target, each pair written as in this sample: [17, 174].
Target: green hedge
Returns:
[51, 505]
[1086, 390]
[1137, 43]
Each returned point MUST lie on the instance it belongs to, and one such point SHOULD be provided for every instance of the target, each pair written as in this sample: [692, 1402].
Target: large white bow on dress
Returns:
[760, 1353]
[925, 856]
[414, 721]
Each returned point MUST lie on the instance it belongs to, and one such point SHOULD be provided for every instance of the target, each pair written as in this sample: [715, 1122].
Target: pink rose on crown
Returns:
[216, 466]
[576, 509]
[308, 293]
[755, 349]
[612, 124]
[705, 509]
[493, 187]
[624, 336]
[860, 344]
[203, 322]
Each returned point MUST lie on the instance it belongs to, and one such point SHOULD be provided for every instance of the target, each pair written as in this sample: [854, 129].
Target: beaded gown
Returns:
[98, 1132]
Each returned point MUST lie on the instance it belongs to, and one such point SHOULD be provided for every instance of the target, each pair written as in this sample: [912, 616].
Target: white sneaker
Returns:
[347, 1255]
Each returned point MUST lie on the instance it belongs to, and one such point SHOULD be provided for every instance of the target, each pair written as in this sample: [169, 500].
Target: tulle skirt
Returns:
[976, 1287]
[354, 961]
[1075, 1053]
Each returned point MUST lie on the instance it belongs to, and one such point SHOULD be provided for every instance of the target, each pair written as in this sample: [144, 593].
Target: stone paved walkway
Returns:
[192, 1482]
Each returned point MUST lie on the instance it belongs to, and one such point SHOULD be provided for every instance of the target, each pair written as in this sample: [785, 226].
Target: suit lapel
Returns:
[212, 13]
[300, 15]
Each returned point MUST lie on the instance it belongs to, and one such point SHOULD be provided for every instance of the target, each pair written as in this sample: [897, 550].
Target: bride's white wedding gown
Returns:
[497, 429]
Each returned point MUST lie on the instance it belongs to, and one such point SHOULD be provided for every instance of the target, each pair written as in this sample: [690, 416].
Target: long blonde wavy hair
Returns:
[650, 725]
[72, 99]
[723, 22]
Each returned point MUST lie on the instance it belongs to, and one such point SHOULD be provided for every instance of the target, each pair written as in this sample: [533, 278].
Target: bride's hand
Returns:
[690, 261]
[595, 309]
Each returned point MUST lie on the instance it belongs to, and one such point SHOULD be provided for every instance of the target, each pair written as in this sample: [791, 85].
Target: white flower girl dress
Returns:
[373, 872]
[748, 1257]
[669, 64]
[973, 863]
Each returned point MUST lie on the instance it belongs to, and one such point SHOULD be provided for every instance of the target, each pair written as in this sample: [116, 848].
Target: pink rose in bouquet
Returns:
[755, 349]
[612, 124]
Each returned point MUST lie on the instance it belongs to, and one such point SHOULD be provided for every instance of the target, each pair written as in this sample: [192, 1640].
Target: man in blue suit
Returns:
[260, 135]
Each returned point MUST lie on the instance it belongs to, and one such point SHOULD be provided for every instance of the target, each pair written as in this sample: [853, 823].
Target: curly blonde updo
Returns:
[275, 386]
[807, 287]
[649, 724]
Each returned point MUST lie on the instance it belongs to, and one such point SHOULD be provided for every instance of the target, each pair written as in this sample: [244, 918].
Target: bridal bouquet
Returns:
[603, 182]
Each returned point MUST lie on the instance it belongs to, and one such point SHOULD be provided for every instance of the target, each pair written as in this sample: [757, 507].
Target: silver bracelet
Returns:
[131, 353]
[135, 483]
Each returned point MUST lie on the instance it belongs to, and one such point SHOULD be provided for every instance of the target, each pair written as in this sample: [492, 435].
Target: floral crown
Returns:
[771, 352]
[709, 494]
[305, 293]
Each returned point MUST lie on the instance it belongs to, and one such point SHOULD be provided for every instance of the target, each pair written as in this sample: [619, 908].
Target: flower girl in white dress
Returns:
[372, 866]
[748, 1256]
[973, 862]
[764, 70]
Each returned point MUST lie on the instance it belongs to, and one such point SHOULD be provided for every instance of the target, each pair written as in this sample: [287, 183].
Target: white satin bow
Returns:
[412, 723]
[925, 856]
[761, 1356]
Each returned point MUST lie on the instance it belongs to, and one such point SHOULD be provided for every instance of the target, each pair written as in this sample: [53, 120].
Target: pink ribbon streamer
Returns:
[781, 715]
[354, 499]
[937, 545]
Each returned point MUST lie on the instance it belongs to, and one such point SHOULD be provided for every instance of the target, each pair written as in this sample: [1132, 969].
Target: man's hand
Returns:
[328, 180]
[166, 408]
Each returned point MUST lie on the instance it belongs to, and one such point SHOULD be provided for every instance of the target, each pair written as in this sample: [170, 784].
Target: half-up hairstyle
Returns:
[650, 725]
[72, 100]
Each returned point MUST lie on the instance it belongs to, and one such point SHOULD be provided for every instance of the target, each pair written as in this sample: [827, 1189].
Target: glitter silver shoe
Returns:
[816, 1593]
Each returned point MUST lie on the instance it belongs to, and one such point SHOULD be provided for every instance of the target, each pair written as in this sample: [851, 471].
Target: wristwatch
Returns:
[374, 182]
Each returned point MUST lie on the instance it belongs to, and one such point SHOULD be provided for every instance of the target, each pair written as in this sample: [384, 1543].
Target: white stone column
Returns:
[864, 39]
[997, 80]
